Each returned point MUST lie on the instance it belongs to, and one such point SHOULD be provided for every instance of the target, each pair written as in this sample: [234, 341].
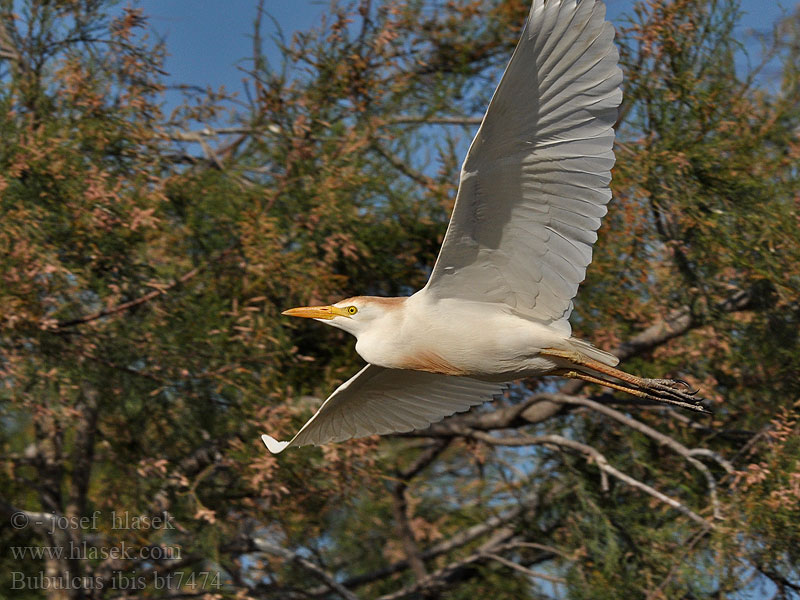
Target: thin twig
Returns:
[495, 544]
[161, 289]
[420, 119]
[517, 567]
[401, 166]
[326, 577]
[674, 568]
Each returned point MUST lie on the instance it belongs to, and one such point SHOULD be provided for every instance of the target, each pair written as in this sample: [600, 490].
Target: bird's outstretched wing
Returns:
[379, 400]
[534, 184]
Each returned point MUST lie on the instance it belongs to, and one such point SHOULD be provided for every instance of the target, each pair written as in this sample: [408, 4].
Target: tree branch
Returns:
[83, 452]
[405, 533]
[402, 167]
[42, 522]
[161, 289]
[524, 570]
[458, 540]
[421, 119]
[436, 579]
[594, 454]
[501, 542]
[687, 547]
[8, 50]
[327, 578]
[659, 437]
[400, 506]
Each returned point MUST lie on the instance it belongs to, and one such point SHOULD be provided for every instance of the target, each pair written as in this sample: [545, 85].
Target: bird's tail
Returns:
[587, 349]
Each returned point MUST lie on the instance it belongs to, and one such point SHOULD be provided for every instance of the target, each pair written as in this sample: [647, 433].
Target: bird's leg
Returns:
[660, 390]
[572, 374]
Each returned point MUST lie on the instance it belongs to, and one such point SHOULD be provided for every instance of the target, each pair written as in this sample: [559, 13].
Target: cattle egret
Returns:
[533, 188]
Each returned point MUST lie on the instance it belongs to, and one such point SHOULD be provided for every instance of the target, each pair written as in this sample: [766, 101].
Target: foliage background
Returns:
[145, 258]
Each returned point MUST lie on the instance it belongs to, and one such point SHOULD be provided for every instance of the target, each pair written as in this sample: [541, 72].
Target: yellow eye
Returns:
[352, 310]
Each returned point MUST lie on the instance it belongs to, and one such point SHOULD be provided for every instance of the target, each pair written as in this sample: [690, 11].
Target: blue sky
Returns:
[208, 39]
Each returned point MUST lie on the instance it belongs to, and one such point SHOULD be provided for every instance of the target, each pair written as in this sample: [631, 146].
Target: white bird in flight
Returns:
[533, 188]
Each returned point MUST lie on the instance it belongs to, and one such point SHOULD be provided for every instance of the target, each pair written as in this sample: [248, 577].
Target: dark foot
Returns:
[688, 387]
[667, 390]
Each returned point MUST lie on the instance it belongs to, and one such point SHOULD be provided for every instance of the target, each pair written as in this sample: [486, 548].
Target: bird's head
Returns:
[354, 315]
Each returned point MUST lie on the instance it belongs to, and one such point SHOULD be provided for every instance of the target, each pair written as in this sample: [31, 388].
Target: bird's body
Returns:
[421, 333]
[533, 189]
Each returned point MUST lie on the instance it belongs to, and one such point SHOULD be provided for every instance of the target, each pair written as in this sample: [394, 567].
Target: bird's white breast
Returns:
[459, 337]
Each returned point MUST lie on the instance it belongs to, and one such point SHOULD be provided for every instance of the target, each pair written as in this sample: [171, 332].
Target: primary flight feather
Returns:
[533, 189]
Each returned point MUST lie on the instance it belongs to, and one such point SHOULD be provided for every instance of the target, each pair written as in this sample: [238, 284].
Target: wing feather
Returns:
[534, 184]
[379, 400]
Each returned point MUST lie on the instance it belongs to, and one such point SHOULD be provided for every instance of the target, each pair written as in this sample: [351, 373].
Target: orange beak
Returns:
[316, 312]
